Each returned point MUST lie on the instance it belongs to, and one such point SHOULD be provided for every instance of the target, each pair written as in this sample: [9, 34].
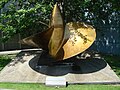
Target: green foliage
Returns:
[4, 60]
[90, 10]
[29, 16]
[19, 16]
[113, 61]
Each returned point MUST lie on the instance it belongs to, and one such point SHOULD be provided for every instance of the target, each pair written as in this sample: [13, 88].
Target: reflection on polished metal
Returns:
[63, 41]
[56, 38]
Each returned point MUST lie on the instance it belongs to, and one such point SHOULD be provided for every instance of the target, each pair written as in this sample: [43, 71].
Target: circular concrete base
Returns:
[23, 70]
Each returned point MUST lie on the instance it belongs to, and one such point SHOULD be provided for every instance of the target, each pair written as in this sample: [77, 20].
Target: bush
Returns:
[4, 60]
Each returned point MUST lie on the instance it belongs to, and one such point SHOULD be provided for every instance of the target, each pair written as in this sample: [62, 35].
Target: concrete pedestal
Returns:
[23, 70]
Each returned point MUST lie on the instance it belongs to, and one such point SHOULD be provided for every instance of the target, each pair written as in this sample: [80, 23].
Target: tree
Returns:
[23, 16]
[30, 16]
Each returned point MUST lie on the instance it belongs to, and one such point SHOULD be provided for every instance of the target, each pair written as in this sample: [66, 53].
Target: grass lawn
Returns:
[4, 60]
[17, 86]
[112, 60]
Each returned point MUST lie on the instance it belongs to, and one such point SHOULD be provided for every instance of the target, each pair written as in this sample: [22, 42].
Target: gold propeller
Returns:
[63, 41]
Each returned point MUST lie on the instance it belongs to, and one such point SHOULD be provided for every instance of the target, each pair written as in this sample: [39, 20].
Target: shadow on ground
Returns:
[20, 57]
[46, 65]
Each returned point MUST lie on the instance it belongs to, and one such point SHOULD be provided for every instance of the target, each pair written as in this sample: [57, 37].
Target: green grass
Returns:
[114, 62]
[4, 60]
[23, 86]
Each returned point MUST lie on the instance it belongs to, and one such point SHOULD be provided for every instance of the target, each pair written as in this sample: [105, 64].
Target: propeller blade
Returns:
[40, 39]
[56, 39]
[78, 37]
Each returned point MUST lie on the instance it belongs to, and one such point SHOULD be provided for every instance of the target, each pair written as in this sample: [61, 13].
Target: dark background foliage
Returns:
[31, 16]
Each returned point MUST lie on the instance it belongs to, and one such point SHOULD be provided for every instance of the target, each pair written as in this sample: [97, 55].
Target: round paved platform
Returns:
[23, 69]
